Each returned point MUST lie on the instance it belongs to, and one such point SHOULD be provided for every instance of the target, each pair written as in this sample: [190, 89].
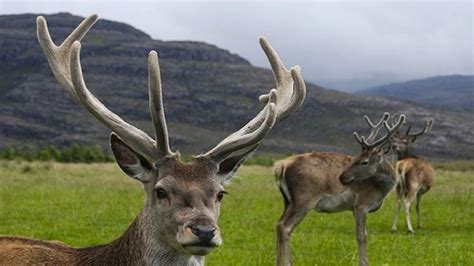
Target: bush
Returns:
[462, 166]
[265, 159]
[73, 153]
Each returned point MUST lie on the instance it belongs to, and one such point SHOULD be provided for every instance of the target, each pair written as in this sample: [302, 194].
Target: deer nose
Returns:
[345, 179]
[204, 232]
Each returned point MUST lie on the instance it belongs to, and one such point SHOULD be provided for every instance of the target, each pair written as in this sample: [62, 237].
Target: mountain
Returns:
[208, 93]
[455, 91]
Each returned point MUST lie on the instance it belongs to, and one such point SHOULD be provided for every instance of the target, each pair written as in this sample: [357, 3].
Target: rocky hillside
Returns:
[209, 92]
[454, 92]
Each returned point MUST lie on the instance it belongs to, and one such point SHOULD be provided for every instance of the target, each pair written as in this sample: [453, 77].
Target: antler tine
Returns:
[58, 56]
[134, 137]
[367, 144]
[65, 64]
[430, 124]
[359, 139]
[280, 72]
[408, 131]
[427, 127]
[285, 99]
[385, 117]
[288, 100]
[248, 140]
[374, 128]
[390, 132]
[237, 140]
[156, 105]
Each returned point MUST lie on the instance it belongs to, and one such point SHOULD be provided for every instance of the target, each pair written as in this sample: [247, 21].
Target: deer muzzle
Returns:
[346, 178]
[199, 238]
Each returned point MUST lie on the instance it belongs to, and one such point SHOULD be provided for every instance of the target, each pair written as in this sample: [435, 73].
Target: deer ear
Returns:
[231, 164]
[134, 165]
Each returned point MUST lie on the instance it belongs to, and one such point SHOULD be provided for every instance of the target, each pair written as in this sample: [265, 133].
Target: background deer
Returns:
[332, 182]
[415, 175]
[178, 223]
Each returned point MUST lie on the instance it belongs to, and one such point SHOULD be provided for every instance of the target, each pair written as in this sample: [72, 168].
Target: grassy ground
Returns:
[87, 204]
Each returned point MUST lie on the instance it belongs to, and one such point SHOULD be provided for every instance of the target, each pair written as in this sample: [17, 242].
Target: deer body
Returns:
[320, 180]
[178, 223]
[415, 175]
[311, 182]
[317, 183]
[132, 248]
[332, 182]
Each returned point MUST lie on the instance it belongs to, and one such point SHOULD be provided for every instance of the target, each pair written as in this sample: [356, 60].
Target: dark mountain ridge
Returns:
[452, 91]
[208, 93]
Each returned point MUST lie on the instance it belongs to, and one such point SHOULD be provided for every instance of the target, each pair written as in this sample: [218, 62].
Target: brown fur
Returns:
[23, 251]
[311, 175]
[415, 177]
[306, 180]
[417, 172]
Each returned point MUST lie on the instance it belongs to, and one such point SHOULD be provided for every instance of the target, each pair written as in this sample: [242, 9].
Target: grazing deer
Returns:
[415, 175]
[178, 223]
[332, 182]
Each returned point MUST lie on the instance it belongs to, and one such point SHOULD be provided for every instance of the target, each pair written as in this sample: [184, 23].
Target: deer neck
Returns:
[139, 245]
[385, 177]
[407, 153]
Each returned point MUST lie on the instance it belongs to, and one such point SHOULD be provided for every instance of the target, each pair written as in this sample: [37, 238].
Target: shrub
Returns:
[73, 153]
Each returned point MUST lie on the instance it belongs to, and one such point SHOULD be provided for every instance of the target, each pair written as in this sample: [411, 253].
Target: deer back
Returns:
[310, 175]
[24, 251]
[416, 172]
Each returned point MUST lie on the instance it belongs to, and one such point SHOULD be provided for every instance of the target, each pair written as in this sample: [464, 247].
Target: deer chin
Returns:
[199, 249]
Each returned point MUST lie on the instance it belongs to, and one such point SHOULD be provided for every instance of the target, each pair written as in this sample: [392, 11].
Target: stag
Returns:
[178, 223]
[415, 175]
[332, 182]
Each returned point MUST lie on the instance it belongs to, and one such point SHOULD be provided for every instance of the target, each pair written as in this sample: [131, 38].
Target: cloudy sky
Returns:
[345, 45]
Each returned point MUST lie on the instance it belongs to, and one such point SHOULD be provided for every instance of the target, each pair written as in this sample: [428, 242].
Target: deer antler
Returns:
[427, 127]
[280, 103]
[381, 141]
[374, 128]
[64, 61]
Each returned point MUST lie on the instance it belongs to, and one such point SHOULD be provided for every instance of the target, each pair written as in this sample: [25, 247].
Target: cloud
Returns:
[345, 44]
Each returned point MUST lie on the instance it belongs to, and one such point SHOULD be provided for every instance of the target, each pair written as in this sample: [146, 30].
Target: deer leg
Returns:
[420, 193]
[290, 218]
[397, 211]
[397, 208]
[407, 204]
[418, 200]
[360, 215]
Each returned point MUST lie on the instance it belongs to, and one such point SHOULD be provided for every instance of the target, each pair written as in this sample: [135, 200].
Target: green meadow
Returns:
[90, 204]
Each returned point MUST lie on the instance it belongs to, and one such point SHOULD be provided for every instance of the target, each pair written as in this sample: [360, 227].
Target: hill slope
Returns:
[208, 93]
[455, 91]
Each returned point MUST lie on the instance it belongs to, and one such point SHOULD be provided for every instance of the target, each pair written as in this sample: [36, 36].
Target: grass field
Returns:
[88, 204]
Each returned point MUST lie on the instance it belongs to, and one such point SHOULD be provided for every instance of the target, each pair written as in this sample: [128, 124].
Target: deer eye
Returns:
[220, 195]
[365, 162]
[161, 193]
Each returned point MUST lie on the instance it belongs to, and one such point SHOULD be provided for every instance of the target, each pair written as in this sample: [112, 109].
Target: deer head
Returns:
[369, 161]
[401, 142]
[182, 198]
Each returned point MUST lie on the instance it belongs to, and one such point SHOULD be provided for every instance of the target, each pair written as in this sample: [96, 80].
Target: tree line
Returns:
[79, 153]
[73, 153]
